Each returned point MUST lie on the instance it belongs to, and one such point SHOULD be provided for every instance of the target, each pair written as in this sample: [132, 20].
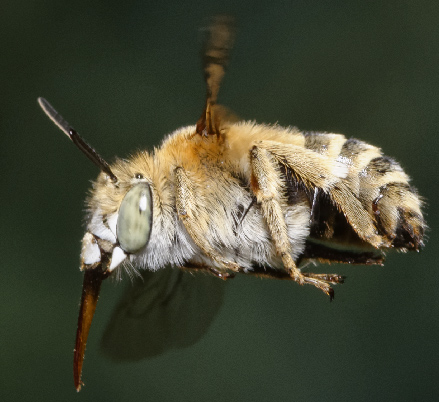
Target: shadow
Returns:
[162, 310]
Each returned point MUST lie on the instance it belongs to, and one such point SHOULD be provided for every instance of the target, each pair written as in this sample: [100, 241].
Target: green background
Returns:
[126, 73]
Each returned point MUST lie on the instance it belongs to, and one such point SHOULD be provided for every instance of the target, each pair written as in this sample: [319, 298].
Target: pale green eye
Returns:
[135, 218]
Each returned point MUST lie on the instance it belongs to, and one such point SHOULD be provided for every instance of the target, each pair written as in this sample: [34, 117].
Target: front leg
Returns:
[266, 184]
[211, 270]
[196, 221]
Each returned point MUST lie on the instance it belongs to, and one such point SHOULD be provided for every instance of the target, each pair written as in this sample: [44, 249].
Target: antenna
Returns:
[67, 129]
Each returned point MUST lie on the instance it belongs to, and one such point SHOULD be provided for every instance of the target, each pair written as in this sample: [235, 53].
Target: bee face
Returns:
[120, 217]
[127, 229]
[234, 197]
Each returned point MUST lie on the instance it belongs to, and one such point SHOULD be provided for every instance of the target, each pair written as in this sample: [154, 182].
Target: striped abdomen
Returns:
[381, 186]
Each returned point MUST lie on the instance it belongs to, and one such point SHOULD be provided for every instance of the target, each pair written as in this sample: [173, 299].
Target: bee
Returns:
[228, 196]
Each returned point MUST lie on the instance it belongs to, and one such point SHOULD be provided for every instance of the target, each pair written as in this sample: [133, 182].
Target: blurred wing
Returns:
[166, 309]
[218, 42]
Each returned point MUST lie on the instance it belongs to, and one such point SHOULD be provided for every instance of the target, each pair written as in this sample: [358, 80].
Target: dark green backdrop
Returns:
[126, 73]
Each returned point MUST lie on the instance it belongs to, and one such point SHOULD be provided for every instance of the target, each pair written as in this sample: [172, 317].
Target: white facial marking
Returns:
[117, 258]
[112, 222]
[99, 229]
[90, 253]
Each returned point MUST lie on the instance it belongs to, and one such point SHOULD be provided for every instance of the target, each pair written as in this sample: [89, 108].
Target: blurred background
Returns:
[126, 73]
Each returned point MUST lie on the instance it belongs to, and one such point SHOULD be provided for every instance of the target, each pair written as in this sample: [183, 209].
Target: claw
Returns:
[331, 294]
[320, 281]
[222, 275]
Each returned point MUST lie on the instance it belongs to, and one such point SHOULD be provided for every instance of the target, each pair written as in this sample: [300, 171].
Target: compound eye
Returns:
[135, 218]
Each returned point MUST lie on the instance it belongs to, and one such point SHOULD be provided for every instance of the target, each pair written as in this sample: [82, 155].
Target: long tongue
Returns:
[90, 294]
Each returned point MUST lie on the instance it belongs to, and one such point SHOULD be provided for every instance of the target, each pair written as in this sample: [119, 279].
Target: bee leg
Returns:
[195, 225]
[213, 271]
[313, 171]
[222, 275]
[266, 185]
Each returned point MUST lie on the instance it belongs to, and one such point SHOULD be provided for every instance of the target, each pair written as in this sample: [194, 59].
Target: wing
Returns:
[166, 309]
[217, 45]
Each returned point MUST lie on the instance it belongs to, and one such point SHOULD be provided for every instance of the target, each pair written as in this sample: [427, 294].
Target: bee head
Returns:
[120, 209]
[118, 228]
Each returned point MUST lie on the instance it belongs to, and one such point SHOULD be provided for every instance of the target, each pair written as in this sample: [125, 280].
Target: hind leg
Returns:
[266, 185]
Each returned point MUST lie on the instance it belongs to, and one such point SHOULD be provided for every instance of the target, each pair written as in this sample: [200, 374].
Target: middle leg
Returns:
[195, 224]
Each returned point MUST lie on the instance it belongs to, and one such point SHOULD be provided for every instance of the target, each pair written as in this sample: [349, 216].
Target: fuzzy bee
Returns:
[228, 196]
